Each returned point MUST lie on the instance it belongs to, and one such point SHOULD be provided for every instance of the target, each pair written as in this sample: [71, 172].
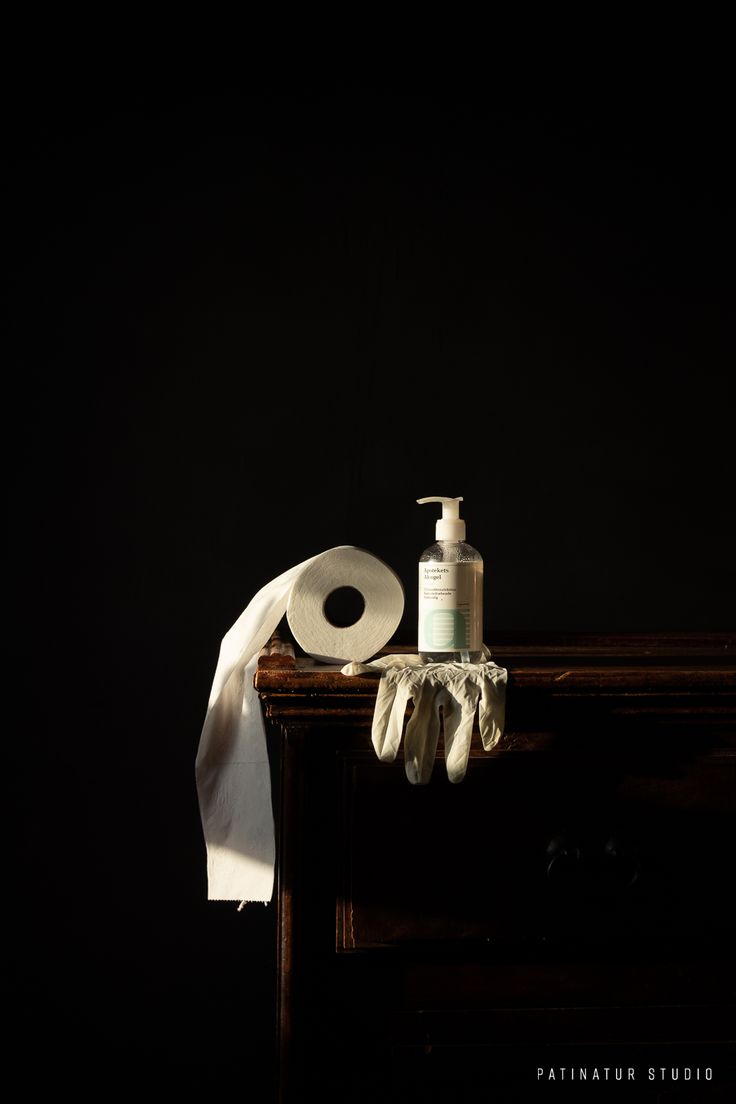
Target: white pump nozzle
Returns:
[450, 526]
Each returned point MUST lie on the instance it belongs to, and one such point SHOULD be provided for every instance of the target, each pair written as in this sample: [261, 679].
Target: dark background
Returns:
[250, 325]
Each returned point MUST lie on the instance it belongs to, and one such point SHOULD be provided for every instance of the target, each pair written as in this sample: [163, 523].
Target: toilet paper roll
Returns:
[232, 768]
[374, 580]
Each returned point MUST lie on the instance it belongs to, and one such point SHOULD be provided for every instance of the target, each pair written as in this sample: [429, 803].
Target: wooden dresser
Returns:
[568, 905]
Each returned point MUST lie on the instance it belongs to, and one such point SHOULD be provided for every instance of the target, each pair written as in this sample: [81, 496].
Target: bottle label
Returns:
[450, 607]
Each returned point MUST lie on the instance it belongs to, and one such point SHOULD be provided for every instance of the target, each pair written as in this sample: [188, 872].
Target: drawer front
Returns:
[563, 844]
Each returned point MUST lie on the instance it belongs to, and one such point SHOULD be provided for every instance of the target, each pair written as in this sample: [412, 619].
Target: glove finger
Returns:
[458, 715]
[381, 663]
[492, 712]
[394, 731]
[422, 733]
[381, 715]
[355, 668]
[399, 660]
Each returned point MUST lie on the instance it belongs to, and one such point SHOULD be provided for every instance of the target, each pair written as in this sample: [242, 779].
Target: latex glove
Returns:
[459, 689]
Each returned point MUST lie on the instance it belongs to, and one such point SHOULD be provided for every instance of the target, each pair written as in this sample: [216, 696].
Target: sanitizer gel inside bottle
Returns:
[450, 592]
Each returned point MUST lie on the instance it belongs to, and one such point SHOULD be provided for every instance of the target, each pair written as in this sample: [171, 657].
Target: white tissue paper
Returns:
[232, 768]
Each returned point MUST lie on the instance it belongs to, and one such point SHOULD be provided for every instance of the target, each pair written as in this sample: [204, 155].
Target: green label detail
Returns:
[446, 630]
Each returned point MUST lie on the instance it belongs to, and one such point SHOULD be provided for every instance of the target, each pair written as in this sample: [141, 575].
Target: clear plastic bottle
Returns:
[450, 592]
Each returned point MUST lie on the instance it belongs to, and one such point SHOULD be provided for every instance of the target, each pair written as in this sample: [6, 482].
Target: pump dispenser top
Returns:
[450, 527]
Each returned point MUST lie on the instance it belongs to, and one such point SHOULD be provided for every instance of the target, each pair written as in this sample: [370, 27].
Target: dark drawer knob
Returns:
[621, 862]
[564, 855]
[599, 865]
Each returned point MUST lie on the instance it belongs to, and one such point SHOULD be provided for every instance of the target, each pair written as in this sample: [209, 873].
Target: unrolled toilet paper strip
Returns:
[232, 769]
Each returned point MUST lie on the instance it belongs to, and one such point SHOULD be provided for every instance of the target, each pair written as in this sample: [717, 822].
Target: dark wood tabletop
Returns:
[684, 664]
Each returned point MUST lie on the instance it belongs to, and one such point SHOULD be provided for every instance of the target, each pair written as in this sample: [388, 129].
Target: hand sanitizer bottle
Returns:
[450, 592]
